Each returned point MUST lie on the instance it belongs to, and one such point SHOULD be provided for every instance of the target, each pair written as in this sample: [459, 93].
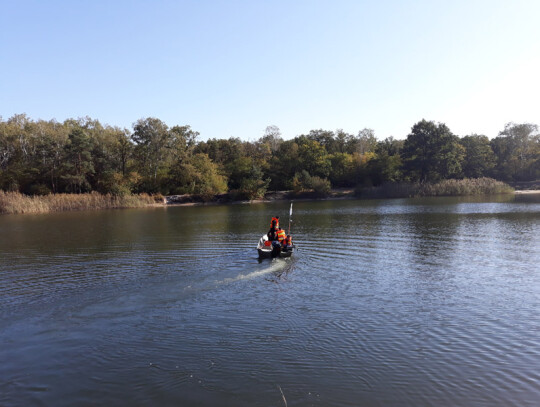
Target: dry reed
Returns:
[15, 202]
[449, 187]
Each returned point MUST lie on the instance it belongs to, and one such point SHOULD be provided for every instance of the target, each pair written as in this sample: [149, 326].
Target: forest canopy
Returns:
[39, 157]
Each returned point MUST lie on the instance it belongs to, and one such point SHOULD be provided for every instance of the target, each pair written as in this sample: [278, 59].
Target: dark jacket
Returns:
[272, 234]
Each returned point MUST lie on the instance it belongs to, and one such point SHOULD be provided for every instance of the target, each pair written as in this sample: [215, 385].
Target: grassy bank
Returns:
[14, 202]
[449, 187]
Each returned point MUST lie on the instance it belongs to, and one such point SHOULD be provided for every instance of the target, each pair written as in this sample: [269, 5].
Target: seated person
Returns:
[287, 243]
[280, 234]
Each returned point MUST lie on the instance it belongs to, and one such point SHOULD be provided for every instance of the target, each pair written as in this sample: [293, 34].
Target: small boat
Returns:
[268, 249]
[271, 249]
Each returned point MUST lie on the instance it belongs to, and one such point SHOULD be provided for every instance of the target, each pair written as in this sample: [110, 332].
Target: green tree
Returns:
[361, 166]
[78, 165]
[365, 142]
[301, 181]
[238, 170]
[122, 151]
[314, 158]
[198, 175]
[272, 138]
[52, 138]
[152, 151]
[343, 141]
[283, 165]
[254, 185]
[325, 138]
[517, 149]
[183, 140]
[389, 146]
[342, 171]
[431, 152]
[221, 151]
[479, 158]
[385, 167]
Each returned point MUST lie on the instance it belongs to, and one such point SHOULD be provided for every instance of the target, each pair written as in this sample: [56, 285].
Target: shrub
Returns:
[301, 182]
[321, 186]
[114, 183]
[253, 188]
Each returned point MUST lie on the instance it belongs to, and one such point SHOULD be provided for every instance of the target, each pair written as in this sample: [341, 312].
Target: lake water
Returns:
[417, 302]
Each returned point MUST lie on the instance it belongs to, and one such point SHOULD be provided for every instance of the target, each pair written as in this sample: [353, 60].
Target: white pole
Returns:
[290, 219]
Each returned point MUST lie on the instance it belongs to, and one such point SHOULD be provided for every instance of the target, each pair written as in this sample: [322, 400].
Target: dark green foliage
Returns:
[301, 181]
[247, 178]
[342, 169]
[517, 151]
[304, 182]
[321, 186]
[197, 175]
[221, 151]
[254, 187]
[385, 168]
[152, 151]
[78, 165]
[283, 165]
[479, 158]
[82, 155]
[431, 152]
[313, 157]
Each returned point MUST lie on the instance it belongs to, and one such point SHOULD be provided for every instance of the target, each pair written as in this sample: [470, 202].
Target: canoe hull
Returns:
[270, 252]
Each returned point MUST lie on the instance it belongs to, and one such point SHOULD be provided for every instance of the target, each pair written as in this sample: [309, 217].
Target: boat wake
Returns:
[277, 266]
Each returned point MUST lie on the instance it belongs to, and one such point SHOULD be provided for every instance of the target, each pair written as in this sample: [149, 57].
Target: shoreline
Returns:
[527, 191]
[336, 195]
[274, 196]
[67, 203]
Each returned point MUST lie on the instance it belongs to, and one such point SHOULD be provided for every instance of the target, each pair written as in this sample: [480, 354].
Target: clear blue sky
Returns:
[231, 68]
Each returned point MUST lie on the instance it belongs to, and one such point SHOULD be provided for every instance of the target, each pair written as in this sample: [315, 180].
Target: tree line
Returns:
[39, 157]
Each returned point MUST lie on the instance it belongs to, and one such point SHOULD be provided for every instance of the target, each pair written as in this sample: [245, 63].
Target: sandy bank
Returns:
[275, 196]
[528, 191]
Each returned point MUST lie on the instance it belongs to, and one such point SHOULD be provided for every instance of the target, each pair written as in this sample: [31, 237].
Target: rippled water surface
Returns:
[431, 302]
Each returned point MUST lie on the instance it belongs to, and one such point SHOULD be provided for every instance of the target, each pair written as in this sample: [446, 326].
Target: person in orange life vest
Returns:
[287, 243]
[281, 235]
[275, 222]
[272, 233]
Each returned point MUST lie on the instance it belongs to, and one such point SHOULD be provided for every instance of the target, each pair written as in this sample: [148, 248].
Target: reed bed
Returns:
[15, 202]
[449, 187]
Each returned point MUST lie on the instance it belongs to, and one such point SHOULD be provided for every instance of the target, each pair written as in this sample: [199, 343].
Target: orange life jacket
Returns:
[287, 241]
[281, 235]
